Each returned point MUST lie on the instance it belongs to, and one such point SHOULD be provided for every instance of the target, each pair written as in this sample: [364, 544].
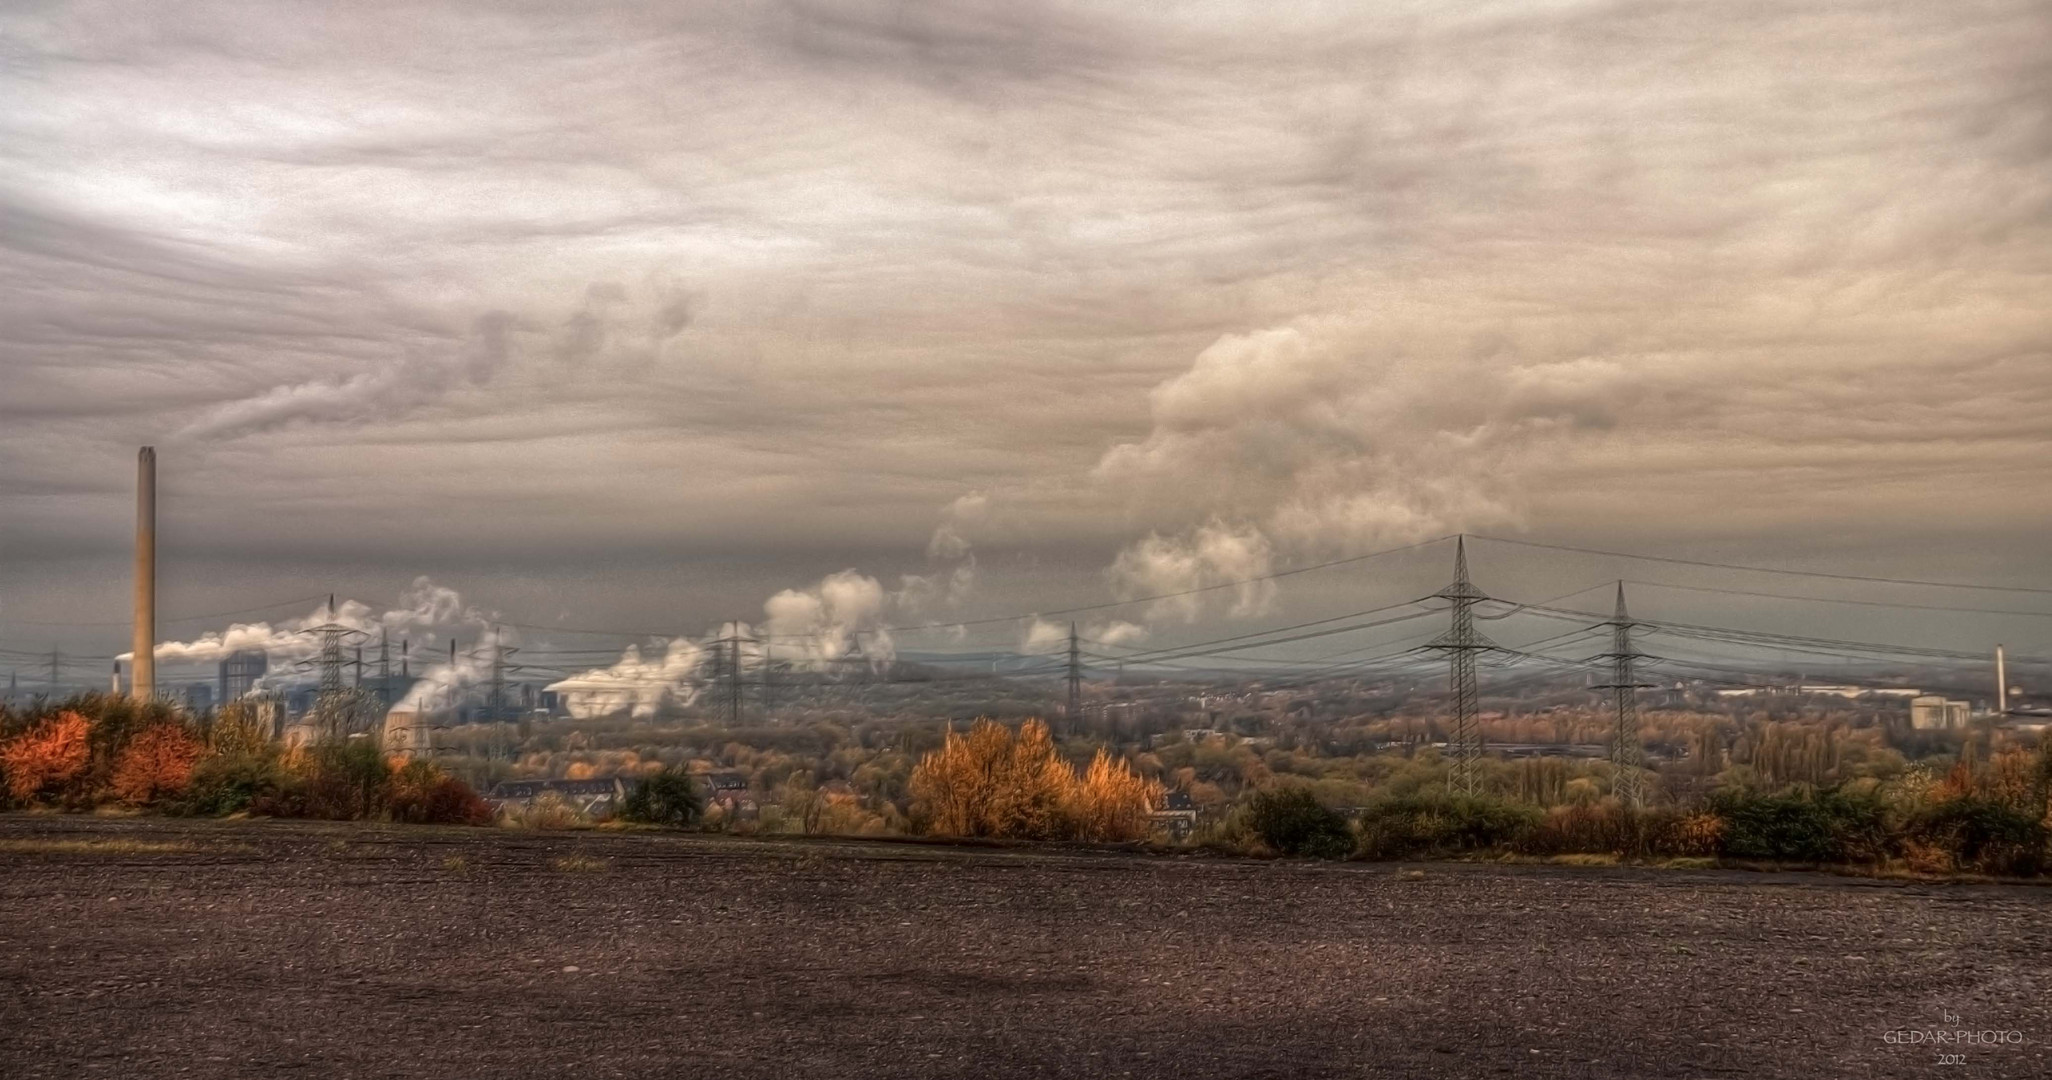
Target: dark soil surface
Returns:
[146, 947]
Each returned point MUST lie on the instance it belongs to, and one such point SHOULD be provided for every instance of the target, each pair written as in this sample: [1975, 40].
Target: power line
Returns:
[1137, 655]
[1832, 600]
[1792, 641]
[1768, 569]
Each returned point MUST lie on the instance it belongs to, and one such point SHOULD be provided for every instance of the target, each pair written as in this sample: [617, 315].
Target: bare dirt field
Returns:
[144, 948]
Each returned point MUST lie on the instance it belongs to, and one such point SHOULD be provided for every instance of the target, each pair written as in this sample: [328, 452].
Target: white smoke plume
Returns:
[1224, 559]
[1118, 632]
[954, 575]
[423, 607]
[636, 685]
[400, 385]
[839, 618]
[1327, 438]
[442, 685]
[820, 628]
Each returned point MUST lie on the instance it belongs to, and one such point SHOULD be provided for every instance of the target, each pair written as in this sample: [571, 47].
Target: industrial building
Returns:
[1934, 713]
[240, 673]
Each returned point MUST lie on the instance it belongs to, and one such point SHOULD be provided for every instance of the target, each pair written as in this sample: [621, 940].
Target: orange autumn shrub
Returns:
[1112, 802]
[157, 762]
[990, 782]
[996, 783]
[48, 758]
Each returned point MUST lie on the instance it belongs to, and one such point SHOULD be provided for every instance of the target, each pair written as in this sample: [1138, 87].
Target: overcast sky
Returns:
[614, 314]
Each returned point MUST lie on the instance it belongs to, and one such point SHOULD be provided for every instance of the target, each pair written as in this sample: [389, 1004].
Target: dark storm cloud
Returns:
[1187, 287]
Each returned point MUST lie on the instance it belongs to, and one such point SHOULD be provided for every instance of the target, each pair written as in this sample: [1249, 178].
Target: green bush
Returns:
[230, 784]
[339, 781]
[669, 797]
[1416, 826]
[1826, 826]
[1291, 821]
[1982, 834]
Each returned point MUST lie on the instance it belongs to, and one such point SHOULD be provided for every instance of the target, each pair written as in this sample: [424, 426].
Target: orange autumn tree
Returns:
[1113, 801]
[155, 763]
[991, 782]
[47, 758]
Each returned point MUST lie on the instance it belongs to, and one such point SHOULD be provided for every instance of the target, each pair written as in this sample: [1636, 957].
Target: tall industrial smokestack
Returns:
[2001, 685]
[142, 678]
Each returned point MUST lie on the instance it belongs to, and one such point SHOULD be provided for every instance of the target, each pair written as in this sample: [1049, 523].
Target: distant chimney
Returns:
[2001, 685]
[142, 677]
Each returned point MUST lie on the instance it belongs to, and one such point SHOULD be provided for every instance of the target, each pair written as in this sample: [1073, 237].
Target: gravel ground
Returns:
[144, 948]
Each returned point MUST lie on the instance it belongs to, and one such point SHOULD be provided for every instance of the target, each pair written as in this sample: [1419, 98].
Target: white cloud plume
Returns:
[840, 617]
[636, 685]
[1117, 632]
[1226, 559]
[817, 628]
[398, 385]
[424, 607]
[444, 683]
[1302, 436]
[954, 577]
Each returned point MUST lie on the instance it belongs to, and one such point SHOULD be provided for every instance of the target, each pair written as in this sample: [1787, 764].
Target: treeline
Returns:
[1789, 792]
[1992, 818]
[101, 750]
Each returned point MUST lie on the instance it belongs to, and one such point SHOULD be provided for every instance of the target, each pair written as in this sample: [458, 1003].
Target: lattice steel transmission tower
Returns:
[337, 710]
[726, 677]
[734, 678]
[495, 693]
[1628, 782]
[498, 742]
[1460, 643]
[1075, 714]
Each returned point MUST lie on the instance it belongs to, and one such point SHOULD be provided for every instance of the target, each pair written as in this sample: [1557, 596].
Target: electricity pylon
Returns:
[1628, 782]
[734, 680]
[1075, 716]
[336, 709]
[1460, 643]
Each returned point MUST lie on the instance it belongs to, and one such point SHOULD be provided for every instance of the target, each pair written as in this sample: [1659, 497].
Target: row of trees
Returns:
[1777, 791]
[97, 750]
[1992, 817]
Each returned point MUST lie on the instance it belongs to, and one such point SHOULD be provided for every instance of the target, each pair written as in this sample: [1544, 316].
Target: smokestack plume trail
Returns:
[142, 677]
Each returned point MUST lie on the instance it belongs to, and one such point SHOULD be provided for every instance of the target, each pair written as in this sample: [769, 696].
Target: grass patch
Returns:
[98, 847]
[456, 864]
[1584, 859]
[579, 864]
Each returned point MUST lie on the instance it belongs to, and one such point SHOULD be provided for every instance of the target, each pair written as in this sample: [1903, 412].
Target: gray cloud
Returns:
[794, 277]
